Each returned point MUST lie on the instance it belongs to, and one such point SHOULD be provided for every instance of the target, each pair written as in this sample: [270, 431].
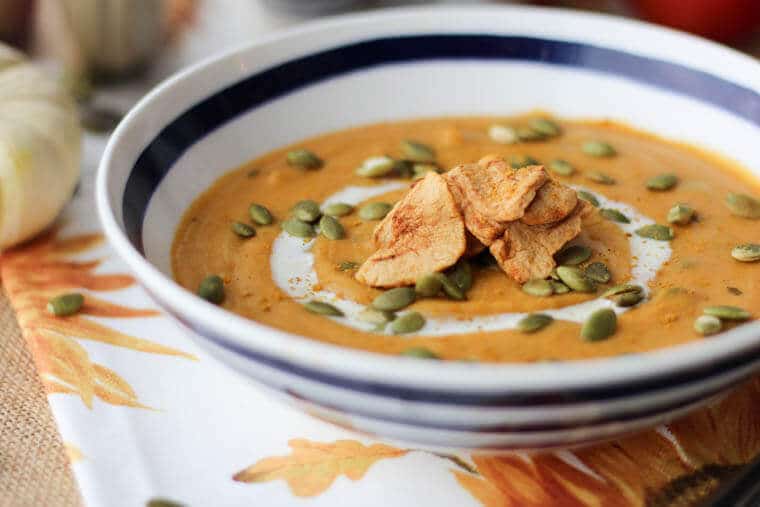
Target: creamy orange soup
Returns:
[699, 272]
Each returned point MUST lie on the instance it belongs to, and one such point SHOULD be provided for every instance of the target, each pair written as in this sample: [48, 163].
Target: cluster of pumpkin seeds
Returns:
[537, 129]
[417, 159]
[714, 317]
[307, 218]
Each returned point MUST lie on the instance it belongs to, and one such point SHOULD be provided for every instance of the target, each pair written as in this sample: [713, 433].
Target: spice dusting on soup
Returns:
[500, 240]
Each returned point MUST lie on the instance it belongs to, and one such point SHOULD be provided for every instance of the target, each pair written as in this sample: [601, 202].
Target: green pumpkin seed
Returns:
[347, 265]
[553, 275]
[623, 288]
[243, 230]
[749, 252]
[707, 325]
[545, 127]
[600, 177]
[528, 135]
[559, 287]
[627, 299]
[743, 205]
[461, 275]
[724, 312]
[304, 159]
[681, 214]
[599, 149]
[260, 215]
[417, 151]
[561, 167]
[534, 322]
[573, 255]
[394, 299]
[338, 209]
[588, 197]
[331, 228]
[211, 289]
[575, 279]
[519, 161]
[408, 323]
[662, 182]
[598, 272]
[600, 325]
[419, 353]
[428, 286]
[65, 304]
[377, 317]
[451, 289]
[502, 134]
[404, 168]
[614, 215]
[297, 228]
[419, 170]
[376, 167]
[656, 231]
[307, 211]
[538, 288]
[374, 211]
[322, 308]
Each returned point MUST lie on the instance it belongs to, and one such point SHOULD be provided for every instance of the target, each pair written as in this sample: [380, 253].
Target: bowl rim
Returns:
[349, 363]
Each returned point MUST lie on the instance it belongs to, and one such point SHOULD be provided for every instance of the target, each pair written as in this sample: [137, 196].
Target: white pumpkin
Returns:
[40, 145]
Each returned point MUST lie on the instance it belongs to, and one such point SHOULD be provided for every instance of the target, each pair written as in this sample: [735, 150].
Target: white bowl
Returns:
[411, 63]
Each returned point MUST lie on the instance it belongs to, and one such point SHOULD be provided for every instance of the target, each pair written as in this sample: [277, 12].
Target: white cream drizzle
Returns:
[292, 265]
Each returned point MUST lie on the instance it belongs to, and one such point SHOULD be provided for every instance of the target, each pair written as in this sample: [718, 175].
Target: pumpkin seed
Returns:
[600, 325]
[408, 323]
[623, 288]
[419, 170]
[417, 151]
[404, 168]
[600, 177]
[598, 272]
[561, 167]
[304, 159]
[627, 299]
[211, 289]
[331, 228]
[538, 288]
[519, 161]
[527, 134]
[502, 134]
[662, 182]
[559, 287]
[376, 167]
[534, 322]
[614, 215]
[749, 252]
[394, 299]
[307, 211]
[297, 228]
[347, 265]
[707, 325]
[575, 279]
[377, 317]
[338, 209]
[724, 312]
[65, 304]
[451, 289]
[461, 275]
[599, 149]
[243, 230]
[322, 308]
[743, 205]
[545, 127]
[588, 197]
[573, 255]
[553, 275]
[260, 215]
[681, 214]
[428, 286]
[374, 211]
[419, 353]
[656, 231]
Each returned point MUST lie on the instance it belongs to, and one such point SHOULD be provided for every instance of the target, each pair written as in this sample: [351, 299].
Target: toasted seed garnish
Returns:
[65, 304]
[622, 289]
[338, 209]
[322, 308]
[598, 149]
[307, 211]
[588, 197]
[461, 275]
[420, 169]
[681, 214]
[656, 231]
[451, 289]
[575, 279]
[561, 167]
[417, 151]
[662, 182]
[725, 312]
[559, 287]
[600, 177]
[749, 252]
[420, 353]
[707, 325]
[519, 161]
[502, 134]
[527, 134]
[304, 159]
[347, 265]
[394, 299]
[743, 205]
[627, 298]
[260, 215]
[598, 272]
[377, 317]
[614, 215]
[600, 325]
[408, 323]
[428, 286]
[545, 127]
[573, 255]
[404, 168]
[374, 211]
[538, 288]
[211, 289]
[243, 230]
[534, 322]
[297, 228]
[331, 228]
[376, 167]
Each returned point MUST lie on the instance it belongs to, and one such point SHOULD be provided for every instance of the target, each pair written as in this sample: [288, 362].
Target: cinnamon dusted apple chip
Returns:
[554, 201]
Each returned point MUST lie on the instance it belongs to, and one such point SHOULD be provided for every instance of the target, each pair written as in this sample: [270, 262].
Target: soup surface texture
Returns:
[693, 271]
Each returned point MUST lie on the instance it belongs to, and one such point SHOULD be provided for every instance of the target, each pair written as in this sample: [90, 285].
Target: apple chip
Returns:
[554, 201]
